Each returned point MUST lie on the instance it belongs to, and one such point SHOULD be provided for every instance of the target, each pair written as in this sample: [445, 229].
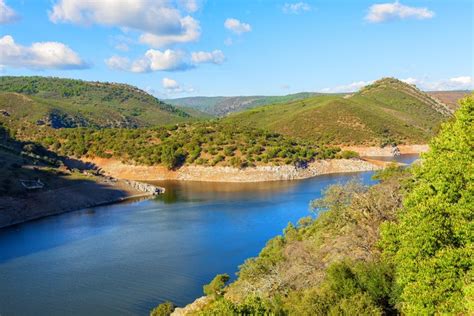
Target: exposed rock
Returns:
[145, 187]
[194, 307]
[118, 169]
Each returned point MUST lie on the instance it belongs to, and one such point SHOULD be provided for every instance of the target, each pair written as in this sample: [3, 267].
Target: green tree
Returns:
[164, 309]
[216, 287]
[431, 245]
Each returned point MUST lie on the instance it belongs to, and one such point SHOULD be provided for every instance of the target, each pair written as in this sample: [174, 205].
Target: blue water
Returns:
[124, 259]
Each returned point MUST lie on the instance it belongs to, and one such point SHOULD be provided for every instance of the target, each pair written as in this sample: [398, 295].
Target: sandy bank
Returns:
[388, 151]
[80, 195]
[120, 170]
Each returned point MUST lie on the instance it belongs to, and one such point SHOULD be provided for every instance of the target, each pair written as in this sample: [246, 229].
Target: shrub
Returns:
[164, 309]
[431, 244]
[216, 287]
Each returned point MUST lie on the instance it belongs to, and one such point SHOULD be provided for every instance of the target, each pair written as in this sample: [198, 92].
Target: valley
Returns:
[88, 131]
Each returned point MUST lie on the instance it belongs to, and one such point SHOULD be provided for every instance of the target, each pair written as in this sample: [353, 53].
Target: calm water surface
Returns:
[124, 259]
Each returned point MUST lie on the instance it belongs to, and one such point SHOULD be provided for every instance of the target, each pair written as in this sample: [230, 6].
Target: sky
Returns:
[177, 48]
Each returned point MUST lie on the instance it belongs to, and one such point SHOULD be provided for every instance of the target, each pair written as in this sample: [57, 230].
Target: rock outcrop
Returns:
[120, 170]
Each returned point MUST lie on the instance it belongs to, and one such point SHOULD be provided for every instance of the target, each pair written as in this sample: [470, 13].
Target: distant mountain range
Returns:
[221, 106]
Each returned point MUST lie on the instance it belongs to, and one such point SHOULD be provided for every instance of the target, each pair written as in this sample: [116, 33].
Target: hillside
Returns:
[401, 247]
[73, 103]
[221, 106]
[388, 111]
[450, 98]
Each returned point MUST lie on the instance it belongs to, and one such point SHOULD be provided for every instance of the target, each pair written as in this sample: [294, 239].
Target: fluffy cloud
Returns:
[7, 14]
[153, 60]
[189, 5]
[236, 26]
[172, 88]
[40, 55]
[351, 87]
[191, 32]
[296, 8]
[170, 84]
[160, 20]
[214, 57]
[455, 83]
[391, 11]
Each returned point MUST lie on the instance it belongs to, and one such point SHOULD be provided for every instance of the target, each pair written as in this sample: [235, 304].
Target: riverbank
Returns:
[121, 170]
[78, 195]
[387, 151]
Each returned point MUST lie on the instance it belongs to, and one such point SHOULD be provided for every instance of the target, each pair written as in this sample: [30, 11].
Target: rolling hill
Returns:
[387, 111]
[61, 102]
[222, 106]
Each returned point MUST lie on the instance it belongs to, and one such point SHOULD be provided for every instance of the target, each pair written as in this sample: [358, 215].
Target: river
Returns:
[124, 259]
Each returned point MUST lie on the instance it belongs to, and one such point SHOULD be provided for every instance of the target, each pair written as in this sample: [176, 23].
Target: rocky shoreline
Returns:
[84, 194]
[387, 151]
[121, 170]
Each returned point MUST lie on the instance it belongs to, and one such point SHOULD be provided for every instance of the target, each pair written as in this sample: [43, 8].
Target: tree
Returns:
[216, 287]
[431, 245]
[164, 309]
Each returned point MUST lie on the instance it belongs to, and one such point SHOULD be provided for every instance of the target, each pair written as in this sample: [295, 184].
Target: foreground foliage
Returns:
[431, 244]
[403, 246]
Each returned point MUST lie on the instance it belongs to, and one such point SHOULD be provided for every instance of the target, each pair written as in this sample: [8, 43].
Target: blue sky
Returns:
[216, 47]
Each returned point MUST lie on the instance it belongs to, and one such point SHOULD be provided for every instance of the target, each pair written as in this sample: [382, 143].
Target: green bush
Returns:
[431, 244]
[164, 309]
[216, 287]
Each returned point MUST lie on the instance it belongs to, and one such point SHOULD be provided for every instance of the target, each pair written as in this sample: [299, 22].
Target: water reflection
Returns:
[123, 259]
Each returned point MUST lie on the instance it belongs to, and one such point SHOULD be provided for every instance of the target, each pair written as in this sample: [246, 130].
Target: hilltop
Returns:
[388, 111]
[221, 106]
[59, 102]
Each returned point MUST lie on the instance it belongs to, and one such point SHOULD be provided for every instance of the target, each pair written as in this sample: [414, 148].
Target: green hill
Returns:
[72, 103]
[388, 111]
[221, 106]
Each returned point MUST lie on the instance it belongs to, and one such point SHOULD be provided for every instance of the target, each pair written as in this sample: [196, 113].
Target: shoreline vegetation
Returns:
[120, 182]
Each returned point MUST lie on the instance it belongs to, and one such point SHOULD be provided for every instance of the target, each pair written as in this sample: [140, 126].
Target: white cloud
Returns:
[7, 14]
[351, 87]
[189, 5]
[160, 20]
[296, 8]
[455, 83]
[236, 26]
[191, 33]
[153, 60]
[170, 84]
[118, 63]
[40, 55]
[391, 11]
[172, 88]
[214, 57]
[462, 80]
[410, 80]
